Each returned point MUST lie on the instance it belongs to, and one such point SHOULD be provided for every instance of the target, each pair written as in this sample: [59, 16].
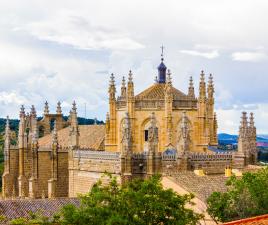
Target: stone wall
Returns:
[44, 172]
[9, 178]
[86, 167]
[63, 175]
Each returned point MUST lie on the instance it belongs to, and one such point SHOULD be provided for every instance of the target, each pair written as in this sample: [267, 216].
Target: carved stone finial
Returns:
[191, 83]
[130, 77]
[191, 88]
[74, 107]
[210, 79]
[244, 120]
[112, 79]
[123, 88]
[123, 82]
[202, 76]
[112, 88]
[251, 120]
[33, 111]
[243, 129]
[7, 126]
[22, 111]
[46, 109]
[169, 81]
[59, 111]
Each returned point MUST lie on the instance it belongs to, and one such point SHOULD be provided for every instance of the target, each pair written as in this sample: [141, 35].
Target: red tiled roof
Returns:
[12, 209]
[91, 137]
[258, 220]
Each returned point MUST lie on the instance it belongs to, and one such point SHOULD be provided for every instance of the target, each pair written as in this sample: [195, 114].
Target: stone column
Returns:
[52, 182]
[126, 153]
[33, 181]
[6, 177]
[22, 181]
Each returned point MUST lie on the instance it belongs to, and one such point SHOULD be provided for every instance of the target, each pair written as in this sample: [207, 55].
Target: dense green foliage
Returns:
[137, 202]
[247, 196]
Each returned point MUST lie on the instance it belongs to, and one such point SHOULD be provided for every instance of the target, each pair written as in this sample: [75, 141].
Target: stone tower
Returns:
[167, 103]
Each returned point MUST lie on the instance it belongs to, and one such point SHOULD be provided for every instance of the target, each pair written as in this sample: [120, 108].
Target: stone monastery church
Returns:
[160, 130]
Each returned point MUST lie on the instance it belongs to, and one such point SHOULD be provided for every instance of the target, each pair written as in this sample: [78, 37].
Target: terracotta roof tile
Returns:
[91, 137]
[13, 209]
[157, 91]
[258, 220]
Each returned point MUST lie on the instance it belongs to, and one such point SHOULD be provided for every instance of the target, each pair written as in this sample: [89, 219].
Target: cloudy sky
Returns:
[65, 50]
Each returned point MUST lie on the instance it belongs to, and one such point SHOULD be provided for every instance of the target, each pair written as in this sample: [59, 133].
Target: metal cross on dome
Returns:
[162, 52]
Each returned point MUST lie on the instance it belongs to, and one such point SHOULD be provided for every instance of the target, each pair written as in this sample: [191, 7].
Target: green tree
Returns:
[247, 196]
[136, 202]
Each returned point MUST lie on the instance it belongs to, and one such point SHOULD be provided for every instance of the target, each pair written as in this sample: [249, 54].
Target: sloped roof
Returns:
[13, 209]
[258, 220]
[91, 137]
[157, 92]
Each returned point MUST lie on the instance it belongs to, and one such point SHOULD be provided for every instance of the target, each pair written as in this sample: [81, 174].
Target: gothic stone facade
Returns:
[160, 130]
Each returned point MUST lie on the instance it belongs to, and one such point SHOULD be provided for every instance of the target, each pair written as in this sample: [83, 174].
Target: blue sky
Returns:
[65, 50]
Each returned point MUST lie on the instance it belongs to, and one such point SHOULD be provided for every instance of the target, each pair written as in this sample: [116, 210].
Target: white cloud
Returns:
[64, 50]
[229, 120]
[71, 29]
[249, 56]
[209, 55]
[11, 98]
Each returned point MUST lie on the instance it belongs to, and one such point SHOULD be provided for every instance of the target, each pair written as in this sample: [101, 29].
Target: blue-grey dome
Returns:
[162, 72]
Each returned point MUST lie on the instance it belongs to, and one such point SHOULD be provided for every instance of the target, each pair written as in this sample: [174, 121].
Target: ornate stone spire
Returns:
[123, 88]
[168, 87]
[33, 111]
[7, 129]
[74, 107]
[210, 87]
[251, 120]
[74, 128]
[162, 69]
[252, 128]
[59, 111]
[169, 80]
[191, 88]
[243, 130]
[7, 145]
[112, 88]
[130, 85]
[46, 109]
[202, 87]
[21, 126]
[22, 111]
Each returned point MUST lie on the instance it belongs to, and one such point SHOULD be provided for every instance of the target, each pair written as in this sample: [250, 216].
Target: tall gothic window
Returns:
[146, 135]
